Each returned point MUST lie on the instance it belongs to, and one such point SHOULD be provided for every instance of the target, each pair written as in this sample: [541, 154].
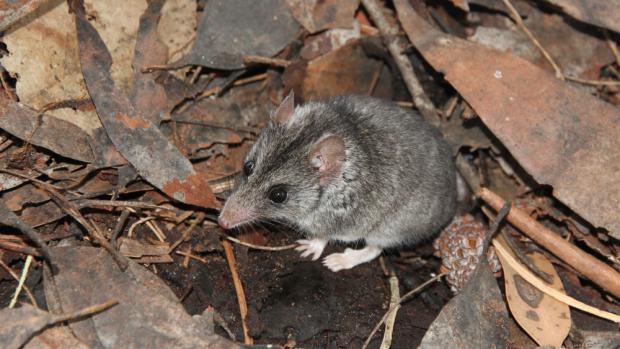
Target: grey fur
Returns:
[398, 179]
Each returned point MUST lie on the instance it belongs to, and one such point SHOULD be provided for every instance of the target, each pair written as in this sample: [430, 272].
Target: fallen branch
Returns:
[199, 218]
[22, 279]
[257, 247]
[394, 306]
[16, 277]
[243, 306]
[590, 267]
[514, 14]
[395, 45]
[401, 301]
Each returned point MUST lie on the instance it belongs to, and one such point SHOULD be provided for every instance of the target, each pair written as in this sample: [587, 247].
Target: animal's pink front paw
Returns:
[313, 247]
[350, 258]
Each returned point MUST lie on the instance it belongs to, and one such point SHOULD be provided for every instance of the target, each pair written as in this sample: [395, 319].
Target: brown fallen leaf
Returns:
[139, 140]
[146, 94]
[148, 314]
[475, 318]
[230, 29]
[602, 13]
[54, 338]
[346, 70]
[49, 70]
[560, 135]
[544, 318]
[320, 15]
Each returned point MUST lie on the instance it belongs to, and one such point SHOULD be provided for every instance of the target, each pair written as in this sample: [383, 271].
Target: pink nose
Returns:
[223, 222]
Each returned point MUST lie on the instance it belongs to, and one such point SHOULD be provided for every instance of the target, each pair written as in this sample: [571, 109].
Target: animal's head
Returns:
[286, 170]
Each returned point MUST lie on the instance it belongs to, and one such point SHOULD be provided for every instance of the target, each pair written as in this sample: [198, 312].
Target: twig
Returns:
[15, 247]
[514, 14]
[133, 226]
[16, 277]
[118, 228]
[394, 306]
[188, 254]
[502, 250]
[612, 46]
[93, 309]
[22, 279]
[401, 301]
[215, 90]
[93, 230]
[243, 306]
[375, 80]
[395, 44]
[5, 85]
[592, 82]
[182, 47]
[113, 203]
[277, 62]
[220, 321]
[192, 256]
[590, 267]
[252, 130]
[257, 247]
[199, 218]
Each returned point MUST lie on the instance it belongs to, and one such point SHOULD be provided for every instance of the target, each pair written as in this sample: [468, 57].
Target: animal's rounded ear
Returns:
[327, 156]
[285, 111]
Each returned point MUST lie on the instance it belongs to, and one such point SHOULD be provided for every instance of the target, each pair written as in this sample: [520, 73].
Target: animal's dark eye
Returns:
[278, 194]
[248, 167]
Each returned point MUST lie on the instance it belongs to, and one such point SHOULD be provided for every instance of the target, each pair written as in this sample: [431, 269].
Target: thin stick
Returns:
[590, 267]
[243, 306]
[93, 230]
[192, 256]
[394, 306]
[15, 247]
[258, 247]
[152, 224]
[514, 14]
[22, 279]
[199, 218]
[118, 228]
[215, 90]
[93, 309]
[133, 226]
[277, 62]
[543, 287]
[16, 277]
[592, 82]
[401, 301]
[113, 203]
[375, 80]
[395, 44]
[612, 46]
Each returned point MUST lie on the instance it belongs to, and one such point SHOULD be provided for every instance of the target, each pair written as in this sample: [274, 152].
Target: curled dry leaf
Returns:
[139, 140]
[544, 318]
[560, 135]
